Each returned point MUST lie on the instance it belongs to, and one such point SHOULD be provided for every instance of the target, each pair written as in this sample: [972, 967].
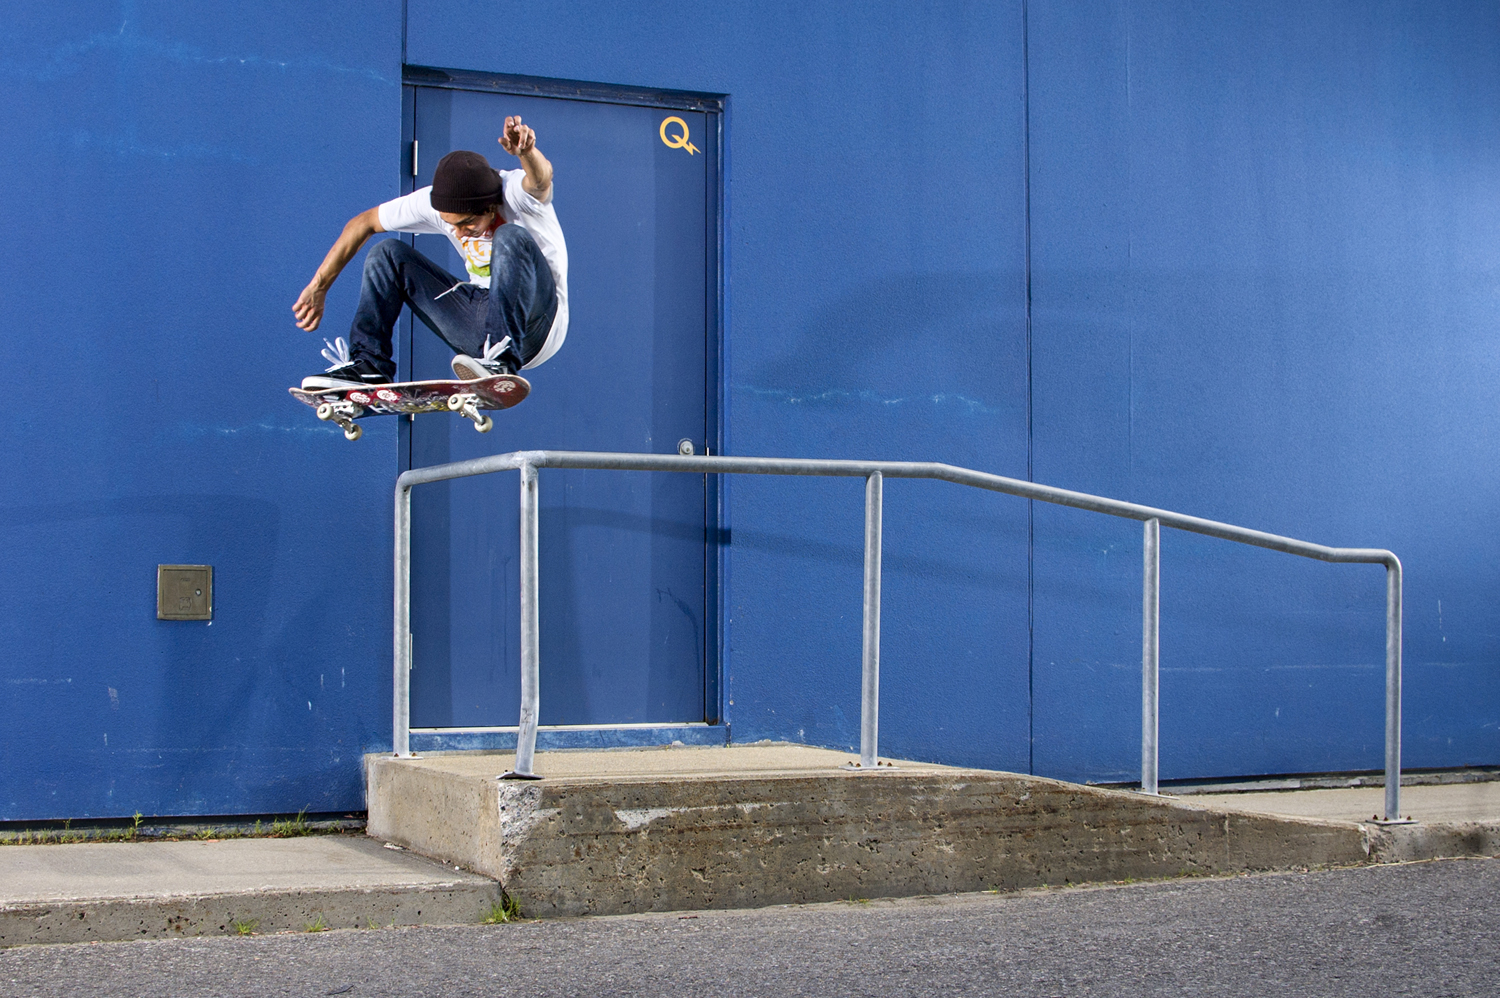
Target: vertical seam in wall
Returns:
[1129, 271]
[403, 31]
[1030, 503]
[722, 374]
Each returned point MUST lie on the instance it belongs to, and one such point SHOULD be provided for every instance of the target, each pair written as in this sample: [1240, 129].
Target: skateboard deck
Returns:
[467, 398]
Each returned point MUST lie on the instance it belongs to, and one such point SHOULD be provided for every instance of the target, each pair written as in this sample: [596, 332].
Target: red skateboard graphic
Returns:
[345, 405]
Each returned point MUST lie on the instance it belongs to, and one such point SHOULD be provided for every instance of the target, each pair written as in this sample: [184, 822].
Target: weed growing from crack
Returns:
[290, 827]
[138, 831]
[507, 909]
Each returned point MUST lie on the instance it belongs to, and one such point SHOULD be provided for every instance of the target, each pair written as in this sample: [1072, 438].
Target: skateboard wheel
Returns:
[353, 432]
[455, 403]
[325, 412]
[484, 424]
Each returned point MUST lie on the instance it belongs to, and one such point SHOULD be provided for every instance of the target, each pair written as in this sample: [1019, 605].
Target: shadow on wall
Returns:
[956, 339]
[236, 534]
[131, 691]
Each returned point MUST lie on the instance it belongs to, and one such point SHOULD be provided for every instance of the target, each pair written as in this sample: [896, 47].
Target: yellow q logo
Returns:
[676, 141]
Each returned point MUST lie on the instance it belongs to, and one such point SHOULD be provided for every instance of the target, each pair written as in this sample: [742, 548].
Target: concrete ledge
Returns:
[1456, 819]
[1434, 840]
[725, 828]
[117, 891]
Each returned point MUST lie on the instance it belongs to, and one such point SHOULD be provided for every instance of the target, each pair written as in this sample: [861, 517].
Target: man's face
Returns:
[470, 225]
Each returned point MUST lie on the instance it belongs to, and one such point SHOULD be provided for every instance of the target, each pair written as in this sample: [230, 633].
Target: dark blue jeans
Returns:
[520, 302]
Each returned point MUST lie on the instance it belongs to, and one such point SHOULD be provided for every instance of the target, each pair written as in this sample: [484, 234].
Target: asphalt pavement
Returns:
[1426, 929]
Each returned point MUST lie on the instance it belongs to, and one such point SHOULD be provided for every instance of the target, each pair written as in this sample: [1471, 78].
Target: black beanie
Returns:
[464, 183]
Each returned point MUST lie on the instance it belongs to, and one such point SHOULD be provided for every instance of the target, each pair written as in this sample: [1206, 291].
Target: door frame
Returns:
[714, 106]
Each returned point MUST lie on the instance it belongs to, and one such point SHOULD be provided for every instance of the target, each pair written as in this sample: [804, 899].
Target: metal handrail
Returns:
[874, 473]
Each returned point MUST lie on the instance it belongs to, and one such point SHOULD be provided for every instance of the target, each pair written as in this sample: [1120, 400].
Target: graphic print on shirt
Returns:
[477, 250]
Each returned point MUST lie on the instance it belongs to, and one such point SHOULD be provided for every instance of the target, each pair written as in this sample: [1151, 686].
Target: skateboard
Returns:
[344, 405]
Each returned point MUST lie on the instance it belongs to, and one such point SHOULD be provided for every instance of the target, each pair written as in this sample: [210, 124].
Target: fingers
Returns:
[309, 313]
[517, 137]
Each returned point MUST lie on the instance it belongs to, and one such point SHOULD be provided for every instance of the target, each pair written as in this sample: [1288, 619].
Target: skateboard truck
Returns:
[466, 404]
[343, 413]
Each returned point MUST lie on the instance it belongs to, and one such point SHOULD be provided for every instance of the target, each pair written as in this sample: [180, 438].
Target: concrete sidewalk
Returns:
[676, 828]
[1455, 802]
[150, 890]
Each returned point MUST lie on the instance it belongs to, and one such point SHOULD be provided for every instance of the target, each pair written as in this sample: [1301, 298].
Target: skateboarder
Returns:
[509, 312]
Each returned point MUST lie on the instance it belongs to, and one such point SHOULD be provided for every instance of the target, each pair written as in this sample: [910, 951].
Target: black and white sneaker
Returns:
[345, 372]
[487, 365]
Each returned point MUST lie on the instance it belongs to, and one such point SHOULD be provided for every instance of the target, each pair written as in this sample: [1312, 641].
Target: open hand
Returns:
[309, 307]
[517, 139]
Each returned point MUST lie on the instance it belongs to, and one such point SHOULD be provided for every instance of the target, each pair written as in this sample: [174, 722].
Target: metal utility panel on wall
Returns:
[627, 630]
[184, 592]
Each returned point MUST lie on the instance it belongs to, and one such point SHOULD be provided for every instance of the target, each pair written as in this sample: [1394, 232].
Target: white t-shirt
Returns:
[414, 213]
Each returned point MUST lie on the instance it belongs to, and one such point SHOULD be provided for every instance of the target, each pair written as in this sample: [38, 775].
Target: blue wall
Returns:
[1262, 275]
[174, 174]
[1264, 272]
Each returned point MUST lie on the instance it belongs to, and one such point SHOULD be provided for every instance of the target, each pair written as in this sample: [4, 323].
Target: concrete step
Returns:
[151, 890]
[1452, 820]
[743, 826]
[1442, 804]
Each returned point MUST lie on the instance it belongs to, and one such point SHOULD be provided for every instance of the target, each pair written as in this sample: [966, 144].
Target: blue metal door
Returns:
[625, 561]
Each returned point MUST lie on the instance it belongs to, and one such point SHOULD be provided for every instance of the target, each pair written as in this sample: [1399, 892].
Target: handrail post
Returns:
[401, 653]
[530, 626]
[869, 686]
[1393, 690]
[1150, 656]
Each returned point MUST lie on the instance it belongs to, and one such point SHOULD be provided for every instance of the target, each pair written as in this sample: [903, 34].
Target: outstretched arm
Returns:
[520, 141]
[309, 305]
